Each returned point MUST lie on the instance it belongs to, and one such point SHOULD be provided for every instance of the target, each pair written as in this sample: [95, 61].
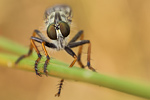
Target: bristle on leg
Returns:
[60, 87]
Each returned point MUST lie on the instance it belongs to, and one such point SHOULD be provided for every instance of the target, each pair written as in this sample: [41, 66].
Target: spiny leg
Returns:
[60, 87]
[68, 50]
[47, 60]
[29, 52]
[38, 59]
[26, 55]
[82, 42]
[36, 32]
[79, 53]
[77, 36]
[32, 45]
[89, 58]
[43, 41]
[48, 44]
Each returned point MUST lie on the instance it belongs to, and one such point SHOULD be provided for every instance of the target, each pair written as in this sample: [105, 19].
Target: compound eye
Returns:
[51, 32]
[64, 28]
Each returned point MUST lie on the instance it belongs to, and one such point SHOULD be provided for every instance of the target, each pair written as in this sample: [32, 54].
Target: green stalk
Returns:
[60, 69]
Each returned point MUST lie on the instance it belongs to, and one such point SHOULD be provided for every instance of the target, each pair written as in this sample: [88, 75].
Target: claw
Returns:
[91, 68]
[57, 94]
[46, 72]
[38, 73]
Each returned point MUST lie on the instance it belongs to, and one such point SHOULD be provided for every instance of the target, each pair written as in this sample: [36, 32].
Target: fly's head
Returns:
[58, 20]
[59, 32]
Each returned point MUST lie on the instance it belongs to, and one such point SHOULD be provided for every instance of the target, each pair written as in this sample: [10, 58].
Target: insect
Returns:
[58, 20]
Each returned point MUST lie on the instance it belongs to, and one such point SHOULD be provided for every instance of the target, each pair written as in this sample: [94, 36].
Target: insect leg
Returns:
[39, 56]
[68, 50]
[26, 55]
[82, 42]
[60, 87]
[44, 43]
[47, 60]
[89, 58]
[78, 35]
[29, 52]
[32, 45]
[36, 32]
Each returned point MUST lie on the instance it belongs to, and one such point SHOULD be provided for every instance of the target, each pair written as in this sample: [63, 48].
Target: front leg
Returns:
[32, 45]
[44, 43]
[30, 49]
[47, 60]
[38, 59]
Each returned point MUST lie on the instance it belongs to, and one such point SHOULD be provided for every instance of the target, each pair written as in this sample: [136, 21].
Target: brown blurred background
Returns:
[119, 32]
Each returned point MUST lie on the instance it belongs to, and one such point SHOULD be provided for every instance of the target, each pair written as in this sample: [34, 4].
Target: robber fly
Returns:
[57, 20]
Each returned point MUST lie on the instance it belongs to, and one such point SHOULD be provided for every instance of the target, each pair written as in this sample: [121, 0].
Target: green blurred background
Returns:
[120, 36]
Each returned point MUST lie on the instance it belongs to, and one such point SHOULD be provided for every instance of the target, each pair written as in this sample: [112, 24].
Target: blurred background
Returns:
[120, 36]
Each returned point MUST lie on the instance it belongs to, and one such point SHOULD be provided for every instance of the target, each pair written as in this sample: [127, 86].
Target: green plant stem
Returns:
[60, 69]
